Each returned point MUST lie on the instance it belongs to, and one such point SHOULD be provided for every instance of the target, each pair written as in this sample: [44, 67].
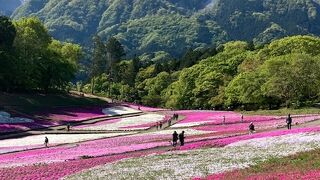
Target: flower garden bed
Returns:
[130, 123]
[200, 162]
[37, 141]
[211, 148]
[85, 113]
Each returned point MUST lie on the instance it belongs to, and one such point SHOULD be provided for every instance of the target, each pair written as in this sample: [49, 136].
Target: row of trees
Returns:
[30, 59]
[237, 75]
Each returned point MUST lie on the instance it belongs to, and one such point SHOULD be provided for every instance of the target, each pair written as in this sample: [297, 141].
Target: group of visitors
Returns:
[159, 125]
[175, 116]
[288, 121]
[176, 137]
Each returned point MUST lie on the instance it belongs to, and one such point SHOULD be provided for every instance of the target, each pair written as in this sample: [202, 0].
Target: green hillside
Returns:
[146, 26]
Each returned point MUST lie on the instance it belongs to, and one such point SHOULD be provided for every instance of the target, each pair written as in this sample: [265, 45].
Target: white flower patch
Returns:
[10, 145]
[190, 124]
[119, 110]
[130, 121]
[188, 132]
[203, 162]
[301, 138]
[5, 118]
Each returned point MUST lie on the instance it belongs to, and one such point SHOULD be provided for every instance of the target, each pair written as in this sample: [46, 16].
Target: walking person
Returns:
[157, 125]
[251, 128]
[241, 118]
[181, 138]
[169, 122]
[68, 127]
[46, 141]
[174, 138]
[224, 120]
[289, 121]
[160, 125]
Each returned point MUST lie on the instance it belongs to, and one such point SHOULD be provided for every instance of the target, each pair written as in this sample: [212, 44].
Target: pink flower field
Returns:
[74, 114]
[143, 108]
[142, 122]
[58, 170]
[37, 124]
[204, 130]
[260, 124]
[196, 118]
[94, 148]
[225, 141]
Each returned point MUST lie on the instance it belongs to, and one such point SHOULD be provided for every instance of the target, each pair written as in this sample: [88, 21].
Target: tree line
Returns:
[31, 60]
[237, 74]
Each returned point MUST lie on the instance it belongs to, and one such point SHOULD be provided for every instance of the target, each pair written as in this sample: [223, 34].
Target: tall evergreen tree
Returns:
[7, 33]
[115, 52]
[7, 36]
[99, 61]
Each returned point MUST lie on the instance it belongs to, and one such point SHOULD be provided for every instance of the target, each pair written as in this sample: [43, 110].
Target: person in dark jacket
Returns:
[251, 128]
[289, 121]
[181, 138]
[46, 141]
[174, 138]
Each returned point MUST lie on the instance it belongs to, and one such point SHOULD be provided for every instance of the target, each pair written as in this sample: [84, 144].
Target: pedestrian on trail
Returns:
[46, 141]
[174, 138]
[175, 116]
[224, 119]
[169, 122]
[68, 127]
[251, 128]
[241, 118]
[289, 121]
[157, 125]
[160, 125]
[181, 138]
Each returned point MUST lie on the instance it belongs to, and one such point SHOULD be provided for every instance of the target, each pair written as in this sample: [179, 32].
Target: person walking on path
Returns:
[46, 141]
[289, 121]
[68, 127]
[157, 125]
[251, 128]
[241, 118]
[224, 120]
[181, 138]
[174, 138]
[169, 122]
[160, 125]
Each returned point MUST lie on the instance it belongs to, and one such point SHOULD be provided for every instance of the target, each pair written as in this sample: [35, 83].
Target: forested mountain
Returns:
[8, 6]
[173, 26]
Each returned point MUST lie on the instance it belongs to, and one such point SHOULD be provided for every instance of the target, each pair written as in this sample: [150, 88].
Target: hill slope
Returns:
[8, 6]
[174, 25]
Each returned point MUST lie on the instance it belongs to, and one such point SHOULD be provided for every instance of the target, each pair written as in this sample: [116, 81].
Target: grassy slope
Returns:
[284, 111]
[28, 103]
